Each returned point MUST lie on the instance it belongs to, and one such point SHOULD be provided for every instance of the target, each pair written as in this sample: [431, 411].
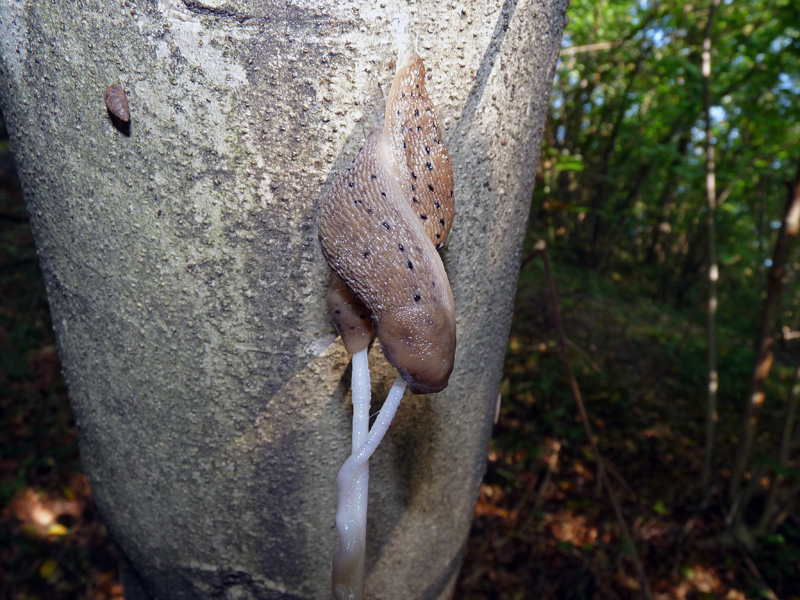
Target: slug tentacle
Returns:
[380, 225]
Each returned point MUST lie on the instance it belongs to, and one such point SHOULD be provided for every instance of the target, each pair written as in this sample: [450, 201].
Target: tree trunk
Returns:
[767, 522]
[768, 326]
[187, 287]
[713, 267]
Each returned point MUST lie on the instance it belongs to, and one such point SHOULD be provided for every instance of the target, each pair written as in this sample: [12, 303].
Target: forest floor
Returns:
[543, 526]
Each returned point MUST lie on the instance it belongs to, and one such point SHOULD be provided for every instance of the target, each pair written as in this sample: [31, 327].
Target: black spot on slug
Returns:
[424, 217]
[427, 149]
[430, 187]
[417, 298]
[429, 165]
[362, 316]
[404, 143]
[401, 247]
[374, 176]
[351, 184]
[419, 127]
[416, 112]
[366, 254]
[414, 199]
[338, 312]
[410, 266]
[437, 205]
[385, 224]
[414, 175]
[441, 221]
[383, 194]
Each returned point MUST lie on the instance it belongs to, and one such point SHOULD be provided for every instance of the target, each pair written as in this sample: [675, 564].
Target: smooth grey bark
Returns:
[187, 286]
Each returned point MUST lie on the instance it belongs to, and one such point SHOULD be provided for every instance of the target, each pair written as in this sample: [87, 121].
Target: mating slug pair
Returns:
[380, 226]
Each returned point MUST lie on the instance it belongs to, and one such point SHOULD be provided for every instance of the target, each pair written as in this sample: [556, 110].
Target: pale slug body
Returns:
[380, 224]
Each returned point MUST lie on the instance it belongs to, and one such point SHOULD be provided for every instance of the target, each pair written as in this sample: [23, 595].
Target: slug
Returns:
[420, 160]
[117, 103]
[380, 225]
[350, 317]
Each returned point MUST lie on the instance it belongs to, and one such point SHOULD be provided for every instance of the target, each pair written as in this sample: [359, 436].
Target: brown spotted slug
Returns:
[380, 226]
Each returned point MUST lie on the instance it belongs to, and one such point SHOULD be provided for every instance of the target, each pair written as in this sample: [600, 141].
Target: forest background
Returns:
[668, 196]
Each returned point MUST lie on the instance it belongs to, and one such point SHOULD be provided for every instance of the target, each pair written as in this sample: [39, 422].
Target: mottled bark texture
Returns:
[187, 286]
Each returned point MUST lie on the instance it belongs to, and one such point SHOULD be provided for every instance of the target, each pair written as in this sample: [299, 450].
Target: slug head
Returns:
[350, 317]
[420, 342]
